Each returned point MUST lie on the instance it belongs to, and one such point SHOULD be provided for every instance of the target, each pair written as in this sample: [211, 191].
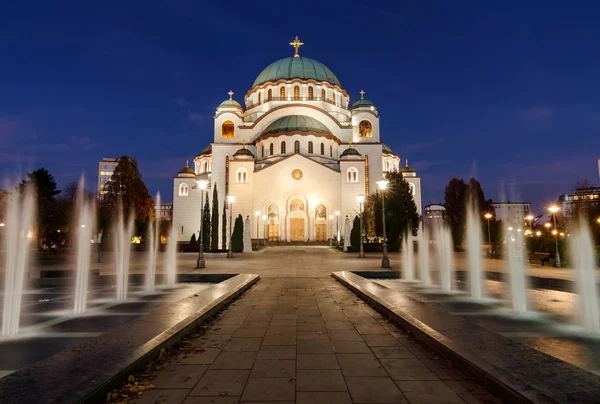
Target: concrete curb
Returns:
[86, 373]
[512, 371]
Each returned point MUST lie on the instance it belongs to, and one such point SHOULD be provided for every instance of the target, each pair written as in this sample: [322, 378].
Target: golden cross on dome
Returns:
[187, 164]
[296, 44]
[230, 94]
[362, 94]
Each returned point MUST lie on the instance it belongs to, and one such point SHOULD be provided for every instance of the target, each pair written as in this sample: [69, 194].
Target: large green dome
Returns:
[296, 68]
[296, 123]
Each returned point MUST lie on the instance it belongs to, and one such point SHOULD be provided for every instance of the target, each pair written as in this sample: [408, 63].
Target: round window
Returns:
[297, 174]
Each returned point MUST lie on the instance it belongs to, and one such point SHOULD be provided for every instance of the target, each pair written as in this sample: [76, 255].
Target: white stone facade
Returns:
[298, 175]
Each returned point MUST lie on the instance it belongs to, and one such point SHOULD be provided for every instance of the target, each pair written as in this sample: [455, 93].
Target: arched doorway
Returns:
[297, 213]
[321, 223]
[273, 222]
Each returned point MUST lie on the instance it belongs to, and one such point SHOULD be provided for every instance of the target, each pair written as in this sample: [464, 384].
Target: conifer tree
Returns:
[214, 234]
[237, 238]
[224, 228]
[206, 225]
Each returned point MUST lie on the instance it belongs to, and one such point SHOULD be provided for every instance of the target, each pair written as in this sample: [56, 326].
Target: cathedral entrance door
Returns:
[297, 229]
[273, 230]
[321, 231]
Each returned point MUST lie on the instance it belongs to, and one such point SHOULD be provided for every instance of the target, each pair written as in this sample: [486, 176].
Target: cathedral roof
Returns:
[187, 169]
[362, 103]
[296, 123]
[243, 152]
[207, 150]
[386, 149]
[407, 168]
[230, 104]
[296, 68]
[350, 151]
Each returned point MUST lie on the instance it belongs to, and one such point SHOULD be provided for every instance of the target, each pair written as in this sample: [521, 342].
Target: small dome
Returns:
[187, 169]
[362, 103]
[350, 151]
[243, 152]
[407, 168]
[296, 68]
[296, 123]
[230, 104]
[206, 150]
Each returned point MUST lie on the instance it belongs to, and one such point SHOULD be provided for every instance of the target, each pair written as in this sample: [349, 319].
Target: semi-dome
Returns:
[187, 169]
[296, 123]
[243, 152]
[296, 68]
[350, 151]
[230, 104]
[407, 169]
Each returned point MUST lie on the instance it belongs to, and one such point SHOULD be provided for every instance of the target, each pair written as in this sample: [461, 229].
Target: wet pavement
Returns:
[309, 340]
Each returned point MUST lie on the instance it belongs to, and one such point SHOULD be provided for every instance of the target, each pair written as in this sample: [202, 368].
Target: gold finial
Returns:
[244, 143]
[187, 164]
[296, 44]
[230, 94]
[362, 94]
[406, 162]
[350, 143]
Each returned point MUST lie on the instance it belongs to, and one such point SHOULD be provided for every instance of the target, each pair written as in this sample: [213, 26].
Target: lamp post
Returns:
[530, 218]
[331, 230]
[230, 201]
[488, 216]
[337, 228]
[361, 200]
[554, 209]
[383, 183]
[257, 214]
[202, 184]
[265, 229]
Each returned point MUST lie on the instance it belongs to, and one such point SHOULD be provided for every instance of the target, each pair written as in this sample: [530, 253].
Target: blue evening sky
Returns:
[508, 91]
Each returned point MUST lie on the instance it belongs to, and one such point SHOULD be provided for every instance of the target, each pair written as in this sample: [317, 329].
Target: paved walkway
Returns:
[307, 339]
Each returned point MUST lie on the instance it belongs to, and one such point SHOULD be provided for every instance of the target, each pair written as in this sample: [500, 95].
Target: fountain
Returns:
[515, 260]
[123, 234]
[584, 261]
[84, 249]
[408, 252]
[445, 257]
[171, 258]
[153, 242]
[474, 251]
[19, 220]
[424, 257]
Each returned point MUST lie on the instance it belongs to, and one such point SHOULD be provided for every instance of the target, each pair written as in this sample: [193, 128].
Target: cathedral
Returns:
[294, 159]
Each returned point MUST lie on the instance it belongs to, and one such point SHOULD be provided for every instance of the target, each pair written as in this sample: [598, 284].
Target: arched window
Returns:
[333, 96]
[271, 149]
[330, 150]
[352, 175]
[227, 129]
[365, 129]
[322, 149]
[296, 92]
[282, 93]
[262, 153]
[413, 190]
[310, 147]
[241, 175]
[323, 96]
[184, 190]
[205, 166]
[297, 146]
[283, 147]
[310, 93]
[269, 95]
[259, 98]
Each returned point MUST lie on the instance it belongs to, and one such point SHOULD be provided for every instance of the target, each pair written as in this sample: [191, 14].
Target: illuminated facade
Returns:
[297, 153]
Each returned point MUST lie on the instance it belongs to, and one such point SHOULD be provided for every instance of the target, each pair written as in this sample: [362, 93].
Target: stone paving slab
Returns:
[514, 371]
[319, 343]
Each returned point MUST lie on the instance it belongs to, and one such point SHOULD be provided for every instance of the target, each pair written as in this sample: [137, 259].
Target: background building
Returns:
[512, 212]
[434, 215]
[580, 200]
[106, 168]
[164, 211]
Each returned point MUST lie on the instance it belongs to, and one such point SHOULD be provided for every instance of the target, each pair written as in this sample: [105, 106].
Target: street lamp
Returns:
[257, 213]
[530, 218]
[382, 184]
[202, 184]
[331, 230]
[554, 209]
[488, 216]
[2, 224]
[361, 200]
[230, 201]
[265, 229]
[337, 227]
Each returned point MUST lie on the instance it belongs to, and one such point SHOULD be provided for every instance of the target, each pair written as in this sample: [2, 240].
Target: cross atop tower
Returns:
[362, 94]
[296, 44]
[230, 94]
